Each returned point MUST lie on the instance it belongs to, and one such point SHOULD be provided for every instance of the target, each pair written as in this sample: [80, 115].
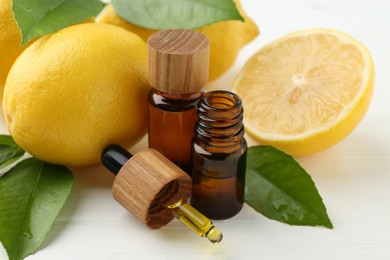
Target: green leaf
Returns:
[31, 196]
[174, 14]
[39, 17]
[7, 140]
[280, 189]
[9, 153]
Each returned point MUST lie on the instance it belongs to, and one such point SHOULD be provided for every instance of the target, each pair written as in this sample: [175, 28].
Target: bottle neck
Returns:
[181, 96]
[174, 103]
[220, 128]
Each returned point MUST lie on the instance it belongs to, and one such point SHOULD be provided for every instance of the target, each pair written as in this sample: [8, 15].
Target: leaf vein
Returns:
[44, 14]
[28, 211]
[309, 209]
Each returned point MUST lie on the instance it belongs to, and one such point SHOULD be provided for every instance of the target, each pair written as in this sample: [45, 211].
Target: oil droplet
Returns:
[214, 235]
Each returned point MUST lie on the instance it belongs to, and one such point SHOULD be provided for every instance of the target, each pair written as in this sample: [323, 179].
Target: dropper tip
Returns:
[214, 235]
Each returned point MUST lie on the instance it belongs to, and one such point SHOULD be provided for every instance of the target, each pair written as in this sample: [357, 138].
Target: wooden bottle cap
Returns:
[148, 181]
[178, 61]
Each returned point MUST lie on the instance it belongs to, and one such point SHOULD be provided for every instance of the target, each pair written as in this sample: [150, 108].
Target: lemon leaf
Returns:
[176, 14]
[39, 17]
[280, 189]
[31, 196]
[9, 153]
[7, 140]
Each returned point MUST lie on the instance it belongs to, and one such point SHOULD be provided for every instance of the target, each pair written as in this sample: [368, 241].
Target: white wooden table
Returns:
[353, 177]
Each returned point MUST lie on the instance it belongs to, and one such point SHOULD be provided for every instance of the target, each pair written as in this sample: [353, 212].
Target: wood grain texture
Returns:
[178, 61]
[140, 181]
[353, 177]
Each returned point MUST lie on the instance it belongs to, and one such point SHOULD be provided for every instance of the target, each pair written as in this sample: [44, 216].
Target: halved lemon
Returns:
[306, 91]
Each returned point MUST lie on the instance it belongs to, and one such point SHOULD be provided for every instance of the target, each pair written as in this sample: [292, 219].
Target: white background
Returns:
[353, 177]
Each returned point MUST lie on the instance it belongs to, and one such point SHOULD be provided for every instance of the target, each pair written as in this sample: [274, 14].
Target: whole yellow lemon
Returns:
[226, 38]
[73, 92]
[10, 40]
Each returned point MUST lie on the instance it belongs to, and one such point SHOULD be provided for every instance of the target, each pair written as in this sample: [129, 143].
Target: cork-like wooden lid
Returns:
[146, 183]
[178, 61]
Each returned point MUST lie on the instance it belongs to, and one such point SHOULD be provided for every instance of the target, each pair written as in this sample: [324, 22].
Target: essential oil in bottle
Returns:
[219, 156]
[178, 70]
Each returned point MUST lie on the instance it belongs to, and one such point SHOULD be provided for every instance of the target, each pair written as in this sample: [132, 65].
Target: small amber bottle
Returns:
[178, 70]
[219, 156]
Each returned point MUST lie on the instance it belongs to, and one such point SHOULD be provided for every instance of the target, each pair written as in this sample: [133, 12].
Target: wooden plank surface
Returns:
[353, 177]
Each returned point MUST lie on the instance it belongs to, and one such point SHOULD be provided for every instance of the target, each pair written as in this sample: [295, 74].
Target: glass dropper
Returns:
[115, 156]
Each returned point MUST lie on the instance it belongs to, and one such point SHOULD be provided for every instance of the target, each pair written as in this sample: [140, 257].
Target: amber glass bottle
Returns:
[219, 156]
[178, 70]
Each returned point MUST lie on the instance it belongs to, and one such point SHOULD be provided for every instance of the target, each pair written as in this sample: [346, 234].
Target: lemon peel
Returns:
[307, 90]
